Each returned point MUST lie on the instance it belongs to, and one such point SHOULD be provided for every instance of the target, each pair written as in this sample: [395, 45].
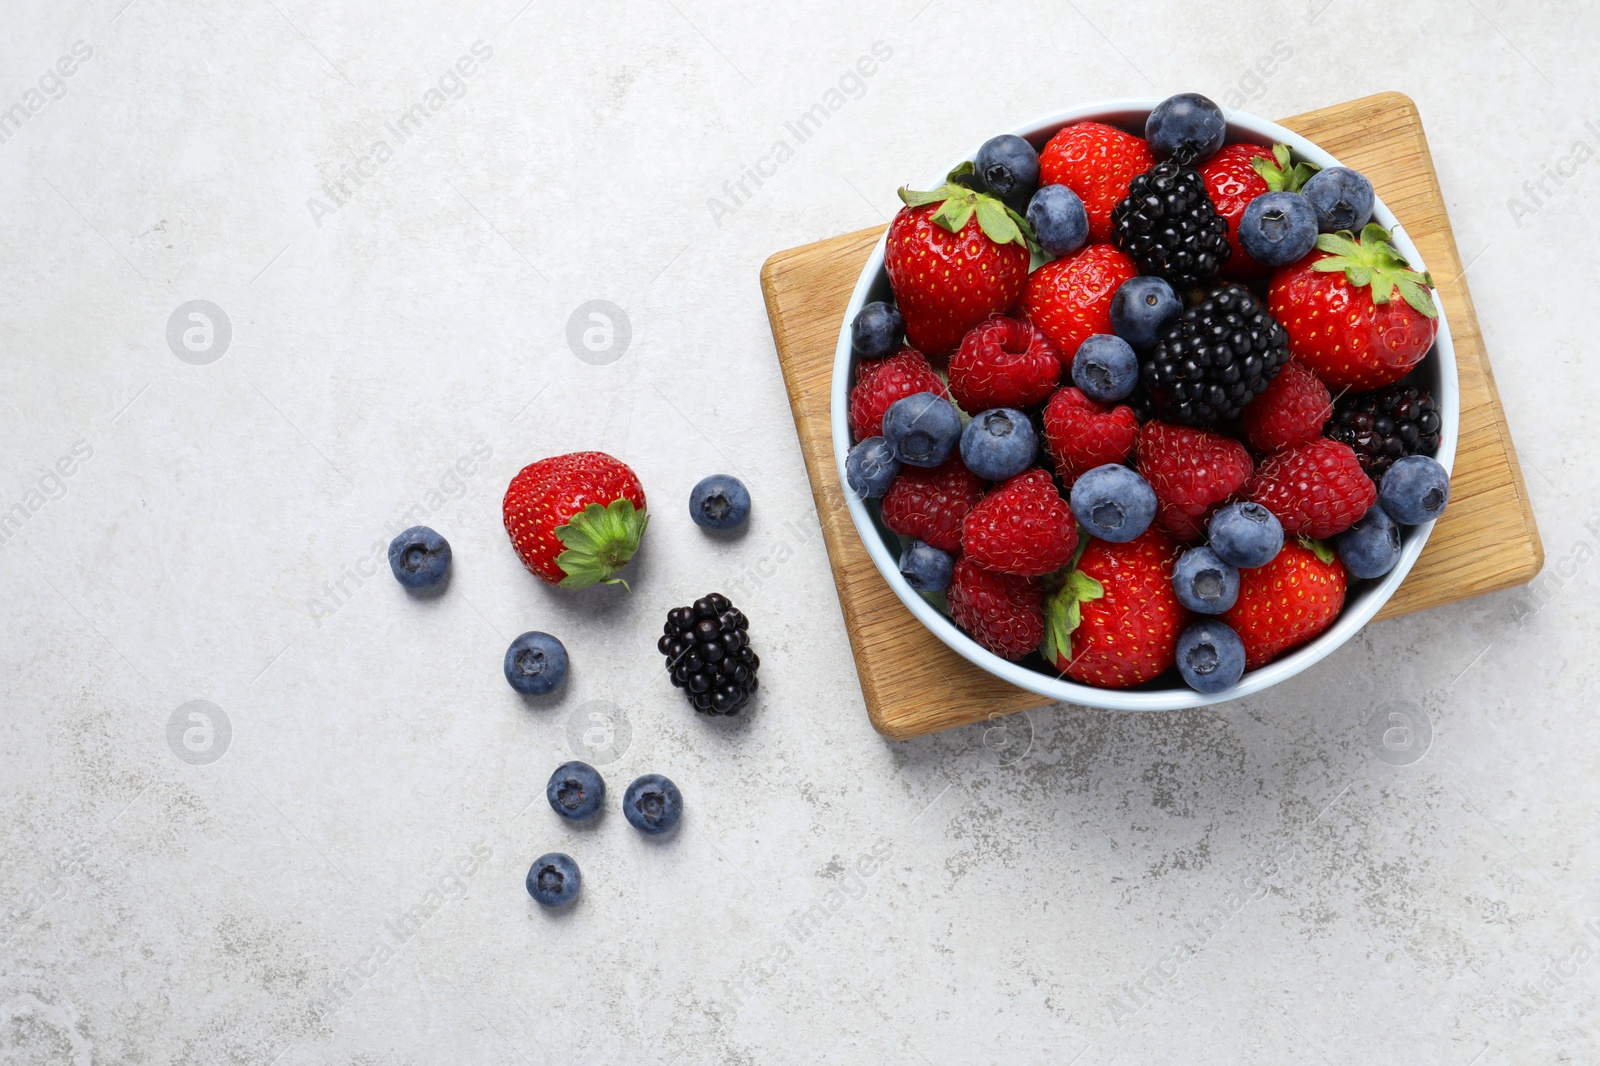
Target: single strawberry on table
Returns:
[1317, 488]
[1115, 620]
[931, 505]
[880, 383]
[1193, 472]
[1023, 527]
[1097, 162]
[1287, 602]
[1081, 434]
[1001, 612]
[1292, 411]
[1238, 174]
[1003, 362]
[1070, 298]
[575, 519]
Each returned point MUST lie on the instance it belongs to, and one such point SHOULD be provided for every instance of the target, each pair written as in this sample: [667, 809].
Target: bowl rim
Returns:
[1242, 126]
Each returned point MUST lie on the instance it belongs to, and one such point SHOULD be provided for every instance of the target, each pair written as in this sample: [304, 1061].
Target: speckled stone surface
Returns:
[403, 211]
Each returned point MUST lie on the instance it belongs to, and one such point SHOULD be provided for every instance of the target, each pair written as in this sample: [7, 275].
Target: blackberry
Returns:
[1212, 359]
[1386, 425]
[1169, 226]
[708, 652]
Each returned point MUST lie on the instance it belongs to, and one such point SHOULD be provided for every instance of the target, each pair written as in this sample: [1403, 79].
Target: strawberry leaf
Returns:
[953, 214]
[1318, 548]
[994, 222]
[1279, 174]
[1417, 297]
[599, 541]
[1063, 613]
[911, 198]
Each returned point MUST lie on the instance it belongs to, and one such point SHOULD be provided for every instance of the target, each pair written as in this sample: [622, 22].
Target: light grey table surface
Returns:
[327, 866]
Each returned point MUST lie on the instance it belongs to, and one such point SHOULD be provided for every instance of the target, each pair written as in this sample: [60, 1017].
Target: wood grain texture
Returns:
[913, 684]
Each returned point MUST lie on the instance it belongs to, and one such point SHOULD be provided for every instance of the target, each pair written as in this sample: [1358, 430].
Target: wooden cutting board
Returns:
[913, 684]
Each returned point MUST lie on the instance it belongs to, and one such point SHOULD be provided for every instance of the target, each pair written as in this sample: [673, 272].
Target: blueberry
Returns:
[1341, 197]
[1278, 228]
[576, 791]
[1060, 222]
[998, 444]
[536, 663]
[1113, 503]
[553, 880]
[419, 557]
[1371, 547]
[878, 331]
[1141, 307]
[1009, 167]
[1210, 656]
[1188, 128]
[926, 568]
[719, 502]
[1203, 582]
[652, 804]
[1105, 368]
[1415, 490]
[1246, 535]
[870, 468]
[922, 429]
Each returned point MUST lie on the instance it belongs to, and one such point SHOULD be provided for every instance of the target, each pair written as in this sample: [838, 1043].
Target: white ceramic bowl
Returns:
[1364, 601]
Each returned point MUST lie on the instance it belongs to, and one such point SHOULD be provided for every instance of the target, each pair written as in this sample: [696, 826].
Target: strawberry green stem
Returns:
[599, 541]
[1372, 261]
[958, 202]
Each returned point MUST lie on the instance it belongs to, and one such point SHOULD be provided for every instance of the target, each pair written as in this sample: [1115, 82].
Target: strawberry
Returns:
[880, 383]
[930, 505]
[1238, 174]
[1081, 434]
[1097, 162]
[1023, 528]
[955, 256]
[1317, 488]
[1338, 305]
[1070, 298]
[1003, 362]
[1115, 620]
[1288, 601]
[1000, 612]
[575, 519]
[1293, 410]
[1193, 472]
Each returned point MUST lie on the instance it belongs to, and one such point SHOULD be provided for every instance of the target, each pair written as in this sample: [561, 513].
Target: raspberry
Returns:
[1193, 472]
[1292, 411]
[931, 504]
[1004, 614]
[1023, 527]
[1081, 434]
[880, 384]
[1317, 489]
[1003, 362]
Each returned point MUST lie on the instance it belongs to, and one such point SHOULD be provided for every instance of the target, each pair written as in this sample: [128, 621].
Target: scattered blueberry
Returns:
[1246, 535]
[1113, 502]
[878, 331]
[1371, 547]
[719, 502]
[870, 468]
[1278, 228]
[536, 663]
[419, 557]
[1203, 582]
[1210, 656]
[922, 429]
[1415, 490]
[1341, 197]
[652, 804]
[1105, 368]
[1141, 307]
[1009, 167]
[553, 880]
[1187, 127]
[1060, 222]
[998, 444]
[926, 568]
[576, 790]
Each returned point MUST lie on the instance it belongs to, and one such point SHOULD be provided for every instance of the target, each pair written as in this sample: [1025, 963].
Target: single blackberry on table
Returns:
[708, 652]
[1212, 359]
[1169, 226]
[1386, 425]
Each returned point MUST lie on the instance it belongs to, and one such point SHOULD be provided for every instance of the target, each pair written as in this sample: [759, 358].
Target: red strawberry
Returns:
[575, 519]
[1193, 472]
[1317, 488]
[1293, 410]
[1000, 612]
[1023, 527]
[1339, 306]
[954, 257]
[880, 383]
[1288, 601]
[1097, 162]
[1081, 434]
[1070, 298]
[931, 504]
[1116, 620]
[1238, 174]
[1003, 362]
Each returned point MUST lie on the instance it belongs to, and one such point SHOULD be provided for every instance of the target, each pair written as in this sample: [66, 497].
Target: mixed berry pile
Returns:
[1141, 404]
